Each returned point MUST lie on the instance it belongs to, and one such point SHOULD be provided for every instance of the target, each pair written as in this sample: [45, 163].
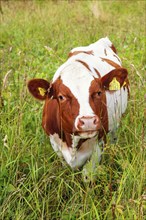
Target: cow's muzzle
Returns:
[87, 124]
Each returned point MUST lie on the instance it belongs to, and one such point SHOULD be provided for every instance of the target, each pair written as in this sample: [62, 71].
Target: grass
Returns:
[33, 182]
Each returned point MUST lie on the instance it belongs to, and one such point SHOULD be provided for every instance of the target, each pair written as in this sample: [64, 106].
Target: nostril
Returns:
[95, 122]
[80, 122]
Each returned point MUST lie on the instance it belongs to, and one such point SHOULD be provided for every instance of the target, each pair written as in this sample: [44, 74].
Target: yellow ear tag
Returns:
[42, 91]
[114, 85]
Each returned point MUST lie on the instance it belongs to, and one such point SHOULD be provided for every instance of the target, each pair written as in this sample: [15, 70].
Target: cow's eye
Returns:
[99, 93]
[61, 98]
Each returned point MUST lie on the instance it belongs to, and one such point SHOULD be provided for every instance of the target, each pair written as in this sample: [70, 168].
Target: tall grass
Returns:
[36, 37]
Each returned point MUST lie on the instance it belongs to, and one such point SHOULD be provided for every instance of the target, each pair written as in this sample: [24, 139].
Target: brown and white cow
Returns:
[84, 101]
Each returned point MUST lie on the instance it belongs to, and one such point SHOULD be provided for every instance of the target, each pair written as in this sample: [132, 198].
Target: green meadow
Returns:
[35, 39]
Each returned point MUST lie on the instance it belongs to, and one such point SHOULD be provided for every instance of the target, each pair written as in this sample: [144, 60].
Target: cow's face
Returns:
[79, 99]
[79, 106]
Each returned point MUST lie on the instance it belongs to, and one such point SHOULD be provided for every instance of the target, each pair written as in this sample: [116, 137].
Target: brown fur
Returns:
[59, 116]
[120, 74]
[112, 63]
[77, 52]
[98, 103]
[114, 49]
[97, 73]
[33, 86]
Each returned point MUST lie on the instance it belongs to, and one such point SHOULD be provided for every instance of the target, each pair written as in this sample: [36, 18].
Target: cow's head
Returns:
[75, 102]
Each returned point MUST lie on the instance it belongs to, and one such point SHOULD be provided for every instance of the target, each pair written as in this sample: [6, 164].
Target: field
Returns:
[35, 39]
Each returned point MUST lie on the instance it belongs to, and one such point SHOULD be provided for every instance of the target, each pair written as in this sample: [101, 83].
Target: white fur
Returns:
[98, 49]
[116, 106]
[75, 158]
[77, 78]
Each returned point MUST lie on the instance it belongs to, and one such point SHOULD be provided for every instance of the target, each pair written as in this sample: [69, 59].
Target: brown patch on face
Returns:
[114, 49]
[90, 52]
[111, 63]
[97, 102]
[85, 64]
[59, 116]
[50, 119]
[68, 107]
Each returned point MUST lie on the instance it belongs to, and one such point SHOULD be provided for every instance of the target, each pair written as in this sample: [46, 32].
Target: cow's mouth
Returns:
[88, 134]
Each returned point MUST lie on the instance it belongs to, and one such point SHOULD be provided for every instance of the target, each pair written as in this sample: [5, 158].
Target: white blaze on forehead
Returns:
[78, 79]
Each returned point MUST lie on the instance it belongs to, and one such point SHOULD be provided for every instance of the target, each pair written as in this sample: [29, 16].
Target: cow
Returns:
[84, 101]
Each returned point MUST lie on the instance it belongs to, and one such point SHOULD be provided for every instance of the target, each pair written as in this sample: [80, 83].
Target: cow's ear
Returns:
[115, 79]
[38, 88]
